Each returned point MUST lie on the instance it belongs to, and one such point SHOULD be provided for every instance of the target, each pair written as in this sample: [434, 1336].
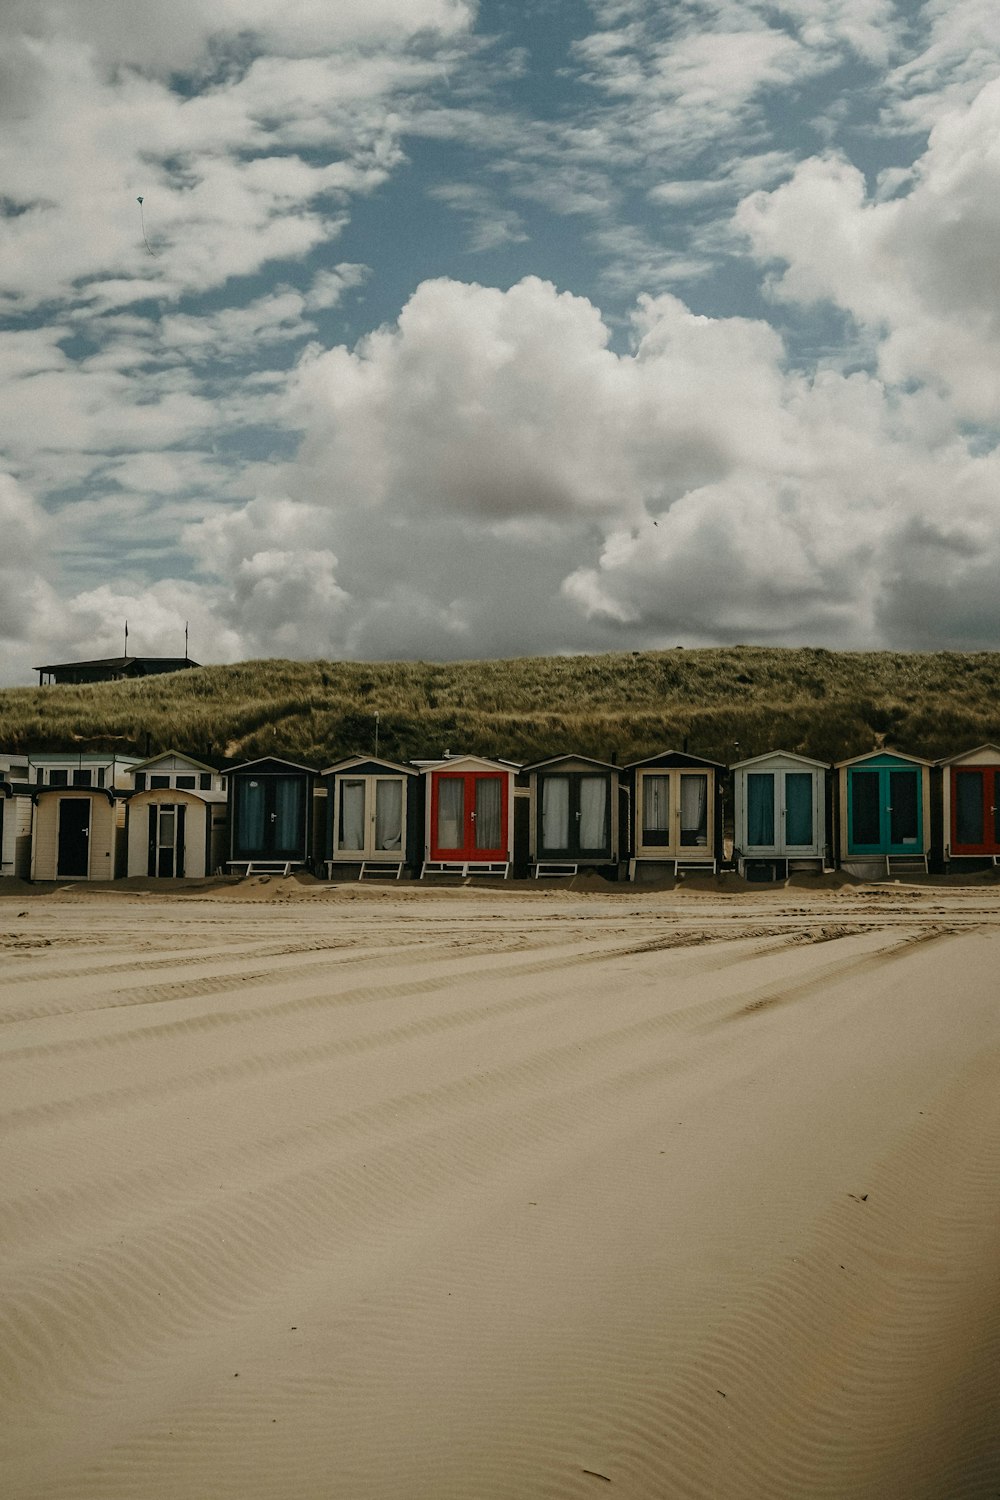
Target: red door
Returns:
[469, 815]
[975, 810]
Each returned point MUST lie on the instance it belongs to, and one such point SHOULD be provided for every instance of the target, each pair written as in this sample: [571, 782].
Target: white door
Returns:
[370, 818]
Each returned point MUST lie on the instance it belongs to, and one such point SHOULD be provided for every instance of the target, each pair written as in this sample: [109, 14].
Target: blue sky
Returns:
[456, 330]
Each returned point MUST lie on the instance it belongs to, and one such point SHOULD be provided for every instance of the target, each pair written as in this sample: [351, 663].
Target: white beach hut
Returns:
[779, 812]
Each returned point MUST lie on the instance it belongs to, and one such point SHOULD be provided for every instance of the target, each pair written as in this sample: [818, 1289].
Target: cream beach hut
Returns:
[78, 824]
[176, 818]
[676, 818]
[374, 818]
[15, 817]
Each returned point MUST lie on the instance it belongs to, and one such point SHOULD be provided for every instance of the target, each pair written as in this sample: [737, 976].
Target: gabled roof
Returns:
[675, 757]
[758, 760]
[556, 760]
[950, 760]
[369, 760]
[885, 754]
[154, 760]
[456, 762]
[270, 760]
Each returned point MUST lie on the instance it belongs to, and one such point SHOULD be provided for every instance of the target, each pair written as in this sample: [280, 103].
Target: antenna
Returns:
[185, 640]
[126, 638]
[142, 226]
[376, 734]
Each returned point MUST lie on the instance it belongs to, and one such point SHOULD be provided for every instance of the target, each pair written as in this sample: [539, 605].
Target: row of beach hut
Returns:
[883, 814]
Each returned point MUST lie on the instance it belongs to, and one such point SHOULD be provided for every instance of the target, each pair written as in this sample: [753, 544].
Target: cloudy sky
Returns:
[449, 329]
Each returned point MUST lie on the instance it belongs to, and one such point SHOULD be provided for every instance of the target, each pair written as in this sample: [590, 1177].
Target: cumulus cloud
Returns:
[489, 472]
[918, 271]
[192, 429]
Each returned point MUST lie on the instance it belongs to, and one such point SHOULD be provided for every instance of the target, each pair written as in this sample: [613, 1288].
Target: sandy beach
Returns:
[469, 1194]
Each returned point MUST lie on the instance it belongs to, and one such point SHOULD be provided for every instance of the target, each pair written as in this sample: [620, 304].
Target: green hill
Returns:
[724, 703]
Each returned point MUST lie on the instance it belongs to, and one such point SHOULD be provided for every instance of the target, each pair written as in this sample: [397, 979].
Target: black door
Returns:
[73, 853]
[270, 817]
[574, 816]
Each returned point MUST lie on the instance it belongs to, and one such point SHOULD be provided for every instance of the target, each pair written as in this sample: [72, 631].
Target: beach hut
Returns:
[270, 815]
[970, 805]
[779, 813]
[78, 818]
[884, 813]
[469, 815]
[374, 826]
[175, 820]
[573, 814]
[15, 817]
[676, 816]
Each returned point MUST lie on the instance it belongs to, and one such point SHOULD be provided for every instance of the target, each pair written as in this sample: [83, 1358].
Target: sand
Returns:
[422, 1194]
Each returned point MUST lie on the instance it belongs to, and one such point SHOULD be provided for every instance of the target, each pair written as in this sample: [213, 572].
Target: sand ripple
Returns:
[460, 1197]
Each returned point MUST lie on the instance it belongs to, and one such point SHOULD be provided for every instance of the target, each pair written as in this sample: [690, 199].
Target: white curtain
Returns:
[488, 813]
[388, 815]
[593, 810]
[555, 812]
[694, 811]
[451, 812]
[655, 809]
[352, 815]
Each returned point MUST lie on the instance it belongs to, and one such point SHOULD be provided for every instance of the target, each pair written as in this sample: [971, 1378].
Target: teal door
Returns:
[884, 810]
[779, 812]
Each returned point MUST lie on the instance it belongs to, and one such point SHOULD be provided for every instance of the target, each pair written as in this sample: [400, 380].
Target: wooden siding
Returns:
[196, 831]
[106, 825]
[15, 841]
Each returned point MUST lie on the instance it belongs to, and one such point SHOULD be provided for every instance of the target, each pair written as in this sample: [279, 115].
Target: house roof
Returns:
[759, 760]
[455, 762]
[154, 760]
[884, 754]
[556, 760]
[116, 663]
[951, 760]
[160, 792]
[270, 760]
[369, 760]
[675, 758]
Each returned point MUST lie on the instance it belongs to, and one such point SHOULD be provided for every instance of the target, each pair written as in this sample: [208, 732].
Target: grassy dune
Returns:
[725, 703]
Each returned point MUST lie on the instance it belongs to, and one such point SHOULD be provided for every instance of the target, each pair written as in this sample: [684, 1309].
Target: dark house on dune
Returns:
[111, 668]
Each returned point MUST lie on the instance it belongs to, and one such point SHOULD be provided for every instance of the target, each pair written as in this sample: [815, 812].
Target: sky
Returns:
[454, 330]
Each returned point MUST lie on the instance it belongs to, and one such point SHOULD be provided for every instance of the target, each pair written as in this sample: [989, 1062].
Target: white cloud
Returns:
[918, 270]
[489, 471]
[257, 166]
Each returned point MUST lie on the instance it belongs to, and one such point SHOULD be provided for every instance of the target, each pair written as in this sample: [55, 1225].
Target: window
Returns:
[185, 783]
[82, 778]
[58, 777]
[140, 781]
[655, 810]
[694, 811]
[159, 782]
[205, 781]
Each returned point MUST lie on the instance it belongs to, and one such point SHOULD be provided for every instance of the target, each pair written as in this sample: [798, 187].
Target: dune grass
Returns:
[725, 703]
